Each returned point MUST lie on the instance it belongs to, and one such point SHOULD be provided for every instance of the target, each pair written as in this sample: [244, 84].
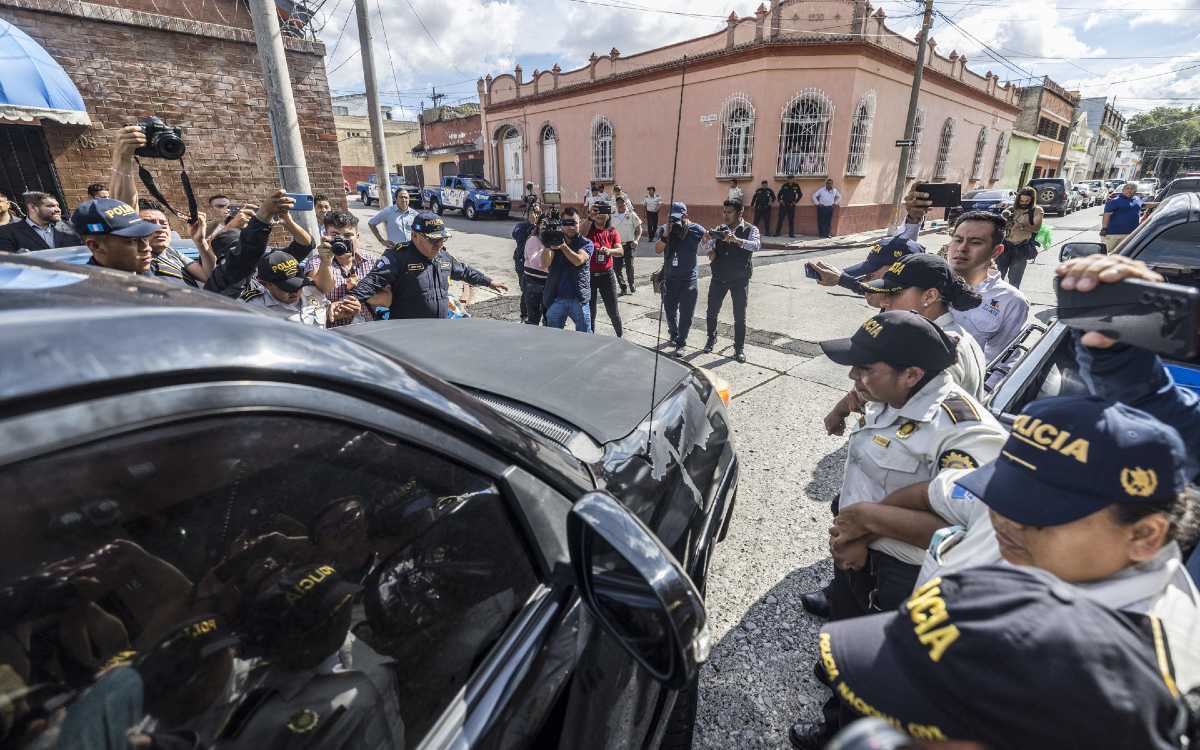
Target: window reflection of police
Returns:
[732, 246]
[419, 273]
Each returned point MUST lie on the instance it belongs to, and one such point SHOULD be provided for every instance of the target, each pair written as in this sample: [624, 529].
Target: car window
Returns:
[1175, 253]
[363, 578]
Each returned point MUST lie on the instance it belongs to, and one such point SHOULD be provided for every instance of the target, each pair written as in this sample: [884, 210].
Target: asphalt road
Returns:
[759, 678]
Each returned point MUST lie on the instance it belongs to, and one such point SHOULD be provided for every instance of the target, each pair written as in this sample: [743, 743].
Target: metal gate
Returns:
[25, 164]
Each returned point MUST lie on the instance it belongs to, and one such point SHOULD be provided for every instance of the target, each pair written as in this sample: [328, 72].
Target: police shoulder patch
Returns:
[250, 293]
[960, 409]
[955, 459]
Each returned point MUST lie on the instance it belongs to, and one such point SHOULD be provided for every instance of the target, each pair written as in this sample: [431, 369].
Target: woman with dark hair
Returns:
[924, 284]
[1023, 221]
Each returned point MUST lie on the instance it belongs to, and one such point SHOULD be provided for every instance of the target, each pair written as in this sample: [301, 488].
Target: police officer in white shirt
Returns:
[916, 422]
[282, 286]
[651, 202]
[397, 220]
[735, 194]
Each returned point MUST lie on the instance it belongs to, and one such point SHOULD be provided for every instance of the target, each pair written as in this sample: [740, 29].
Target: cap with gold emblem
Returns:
[1069, 457]
[430, 224]
[900, 338]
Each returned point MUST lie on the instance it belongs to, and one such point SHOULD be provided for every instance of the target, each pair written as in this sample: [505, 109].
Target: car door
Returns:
[340, 575]
[455, 194]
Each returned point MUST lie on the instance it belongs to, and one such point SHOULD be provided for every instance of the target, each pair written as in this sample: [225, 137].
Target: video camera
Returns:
[1162, 318]
[162, 140]
[550, 230]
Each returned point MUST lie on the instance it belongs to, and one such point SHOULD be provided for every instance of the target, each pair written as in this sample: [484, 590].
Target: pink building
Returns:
[815, 89]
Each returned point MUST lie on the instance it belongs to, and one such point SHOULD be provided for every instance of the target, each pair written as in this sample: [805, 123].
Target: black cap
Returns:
[922, 270]
[1069, 457]
[884, 253]
[900, 338]
[181, 650]
[297, 600]
[1009, 657]
[431, 225]
[283, 270]
[108, 216]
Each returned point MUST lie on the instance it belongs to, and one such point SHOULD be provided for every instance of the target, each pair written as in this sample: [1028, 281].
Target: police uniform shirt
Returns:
[309, 309]
[969, 368]
[1000, 318]
[941, 427]
[970, 541]
[420, 285]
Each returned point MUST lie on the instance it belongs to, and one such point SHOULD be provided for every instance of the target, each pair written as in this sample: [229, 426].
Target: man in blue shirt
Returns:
[568, 291]
[679, 243]
[1121, 216]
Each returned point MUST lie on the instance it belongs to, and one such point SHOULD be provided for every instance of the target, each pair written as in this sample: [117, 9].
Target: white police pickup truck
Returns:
[472, 195]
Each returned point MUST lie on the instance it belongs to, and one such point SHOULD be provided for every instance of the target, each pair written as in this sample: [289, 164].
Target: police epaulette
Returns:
[250, 293]
[960, 409]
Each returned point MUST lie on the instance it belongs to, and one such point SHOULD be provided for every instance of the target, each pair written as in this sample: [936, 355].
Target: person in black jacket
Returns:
[419, 273]
[521, 234]
[762, 200]
[232, 272]
[789, 195]
[41, 229]
[731, 249]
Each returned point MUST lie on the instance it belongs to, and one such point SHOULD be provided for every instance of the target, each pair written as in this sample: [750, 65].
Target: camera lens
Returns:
[169, 145]
[340, 245]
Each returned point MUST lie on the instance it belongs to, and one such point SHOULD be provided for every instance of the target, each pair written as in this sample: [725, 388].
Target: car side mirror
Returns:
[637, 590]
[1081, 249]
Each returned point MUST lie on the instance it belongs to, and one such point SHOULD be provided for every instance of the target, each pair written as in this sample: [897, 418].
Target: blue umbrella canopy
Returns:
[33, 84]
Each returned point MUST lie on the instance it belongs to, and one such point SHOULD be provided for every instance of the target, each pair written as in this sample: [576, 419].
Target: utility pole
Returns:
[906, 151]
[375, 115]
[281, 108]
[435, 96]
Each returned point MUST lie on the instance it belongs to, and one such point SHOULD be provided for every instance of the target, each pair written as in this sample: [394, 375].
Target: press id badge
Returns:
[675, 261]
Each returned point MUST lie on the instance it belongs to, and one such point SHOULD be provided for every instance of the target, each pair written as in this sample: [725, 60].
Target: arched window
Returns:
[804, 134]
[549, 141]
[942, 166]
[736, 152]
[998, 159]
[914, 152]
[977, 165]
[860, 135]
[602, 149]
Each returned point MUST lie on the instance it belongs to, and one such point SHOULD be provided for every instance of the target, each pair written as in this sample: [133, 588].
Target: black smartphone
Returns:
[1163, 318]
[811, 272]
[943, 194]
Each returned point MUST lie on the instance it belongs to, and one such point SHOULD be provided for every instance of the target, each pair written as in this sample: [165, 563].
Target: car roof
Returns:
[70, 329]
[1181, 208]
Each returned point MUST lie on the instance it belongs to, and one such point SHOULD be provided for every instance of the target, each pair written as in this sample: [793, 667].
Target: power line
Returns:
[388, 45]
[334, 69]
[345, 23]
[993, 53]
[1143, 78]
[1164, 125]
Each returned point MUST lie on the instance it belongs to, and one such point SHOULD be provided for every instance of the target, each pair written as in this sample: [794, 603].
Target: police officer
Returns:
[916, 422]
[789, 195]
[761, 201]
[419, 273]
[881, 256]
[732, 245]
[282, 286]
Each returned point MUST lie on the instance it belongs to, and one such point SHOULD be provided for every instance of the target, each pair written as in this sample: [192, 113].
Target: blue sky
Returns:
[1097, 46]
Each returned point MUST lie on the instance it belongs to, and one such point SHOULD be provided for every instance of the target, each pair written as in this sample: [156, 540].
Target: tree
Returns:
[1165, 127]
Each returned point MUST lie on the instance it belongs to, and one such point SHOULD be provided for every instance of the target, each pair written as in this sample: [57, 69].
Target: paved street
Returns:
[760, 676]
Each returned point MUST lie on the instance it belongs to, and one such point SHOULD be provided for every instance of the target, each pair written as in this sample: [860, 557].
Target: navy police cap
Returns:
[431, 225]
[900, 338]
[1069, 457]
[108, 216]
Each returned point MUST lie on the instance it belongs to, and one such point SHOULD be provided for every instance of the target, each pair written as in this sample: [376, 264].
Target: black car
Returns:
[990, 200]
[223, 529]
[1054, 194]
[1042, 358]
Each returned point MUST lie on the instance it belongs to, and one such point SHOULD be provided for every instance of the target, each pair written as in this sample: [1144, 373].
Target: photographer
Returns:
[730, 248]
[606, 244]
[232, 274]
[338, 266]
[534, 268]
[679, 244]
[419, 272]
[521, 233]
[1022, 223]
[568, 290]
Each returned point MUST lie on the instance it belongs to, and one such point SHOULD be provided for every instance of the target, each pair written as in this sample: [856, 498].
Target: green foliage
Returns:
[1182, 128]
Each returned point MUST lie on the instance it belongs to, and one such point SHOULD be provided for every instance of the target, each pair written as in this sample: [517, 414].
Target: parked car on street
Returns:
[471, 194]
[1054, 194]
[1041, 361]
[992, 200]
[1097, 193]
[1178, 185]
[1084, 197]
[514, 561]
[1147, 188]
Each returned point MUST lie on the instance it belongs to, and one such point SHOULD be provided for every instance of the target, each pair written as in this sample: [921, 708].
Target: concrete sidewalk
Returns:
[861, 239]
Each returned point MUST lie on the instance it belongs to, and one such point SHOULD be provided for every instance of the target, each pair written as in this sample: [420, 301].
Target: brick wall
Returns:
[208, 81]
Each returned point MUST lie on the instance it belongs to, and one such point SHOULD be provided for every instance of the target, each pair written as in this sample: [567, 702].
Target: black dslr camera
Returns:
[162, 140]
[341, 246]
[551, 232]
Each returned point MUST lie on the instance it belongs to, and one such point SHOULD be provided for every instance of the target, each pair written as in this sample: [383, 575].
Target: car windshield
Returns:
[478, 183]
[982, 195]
